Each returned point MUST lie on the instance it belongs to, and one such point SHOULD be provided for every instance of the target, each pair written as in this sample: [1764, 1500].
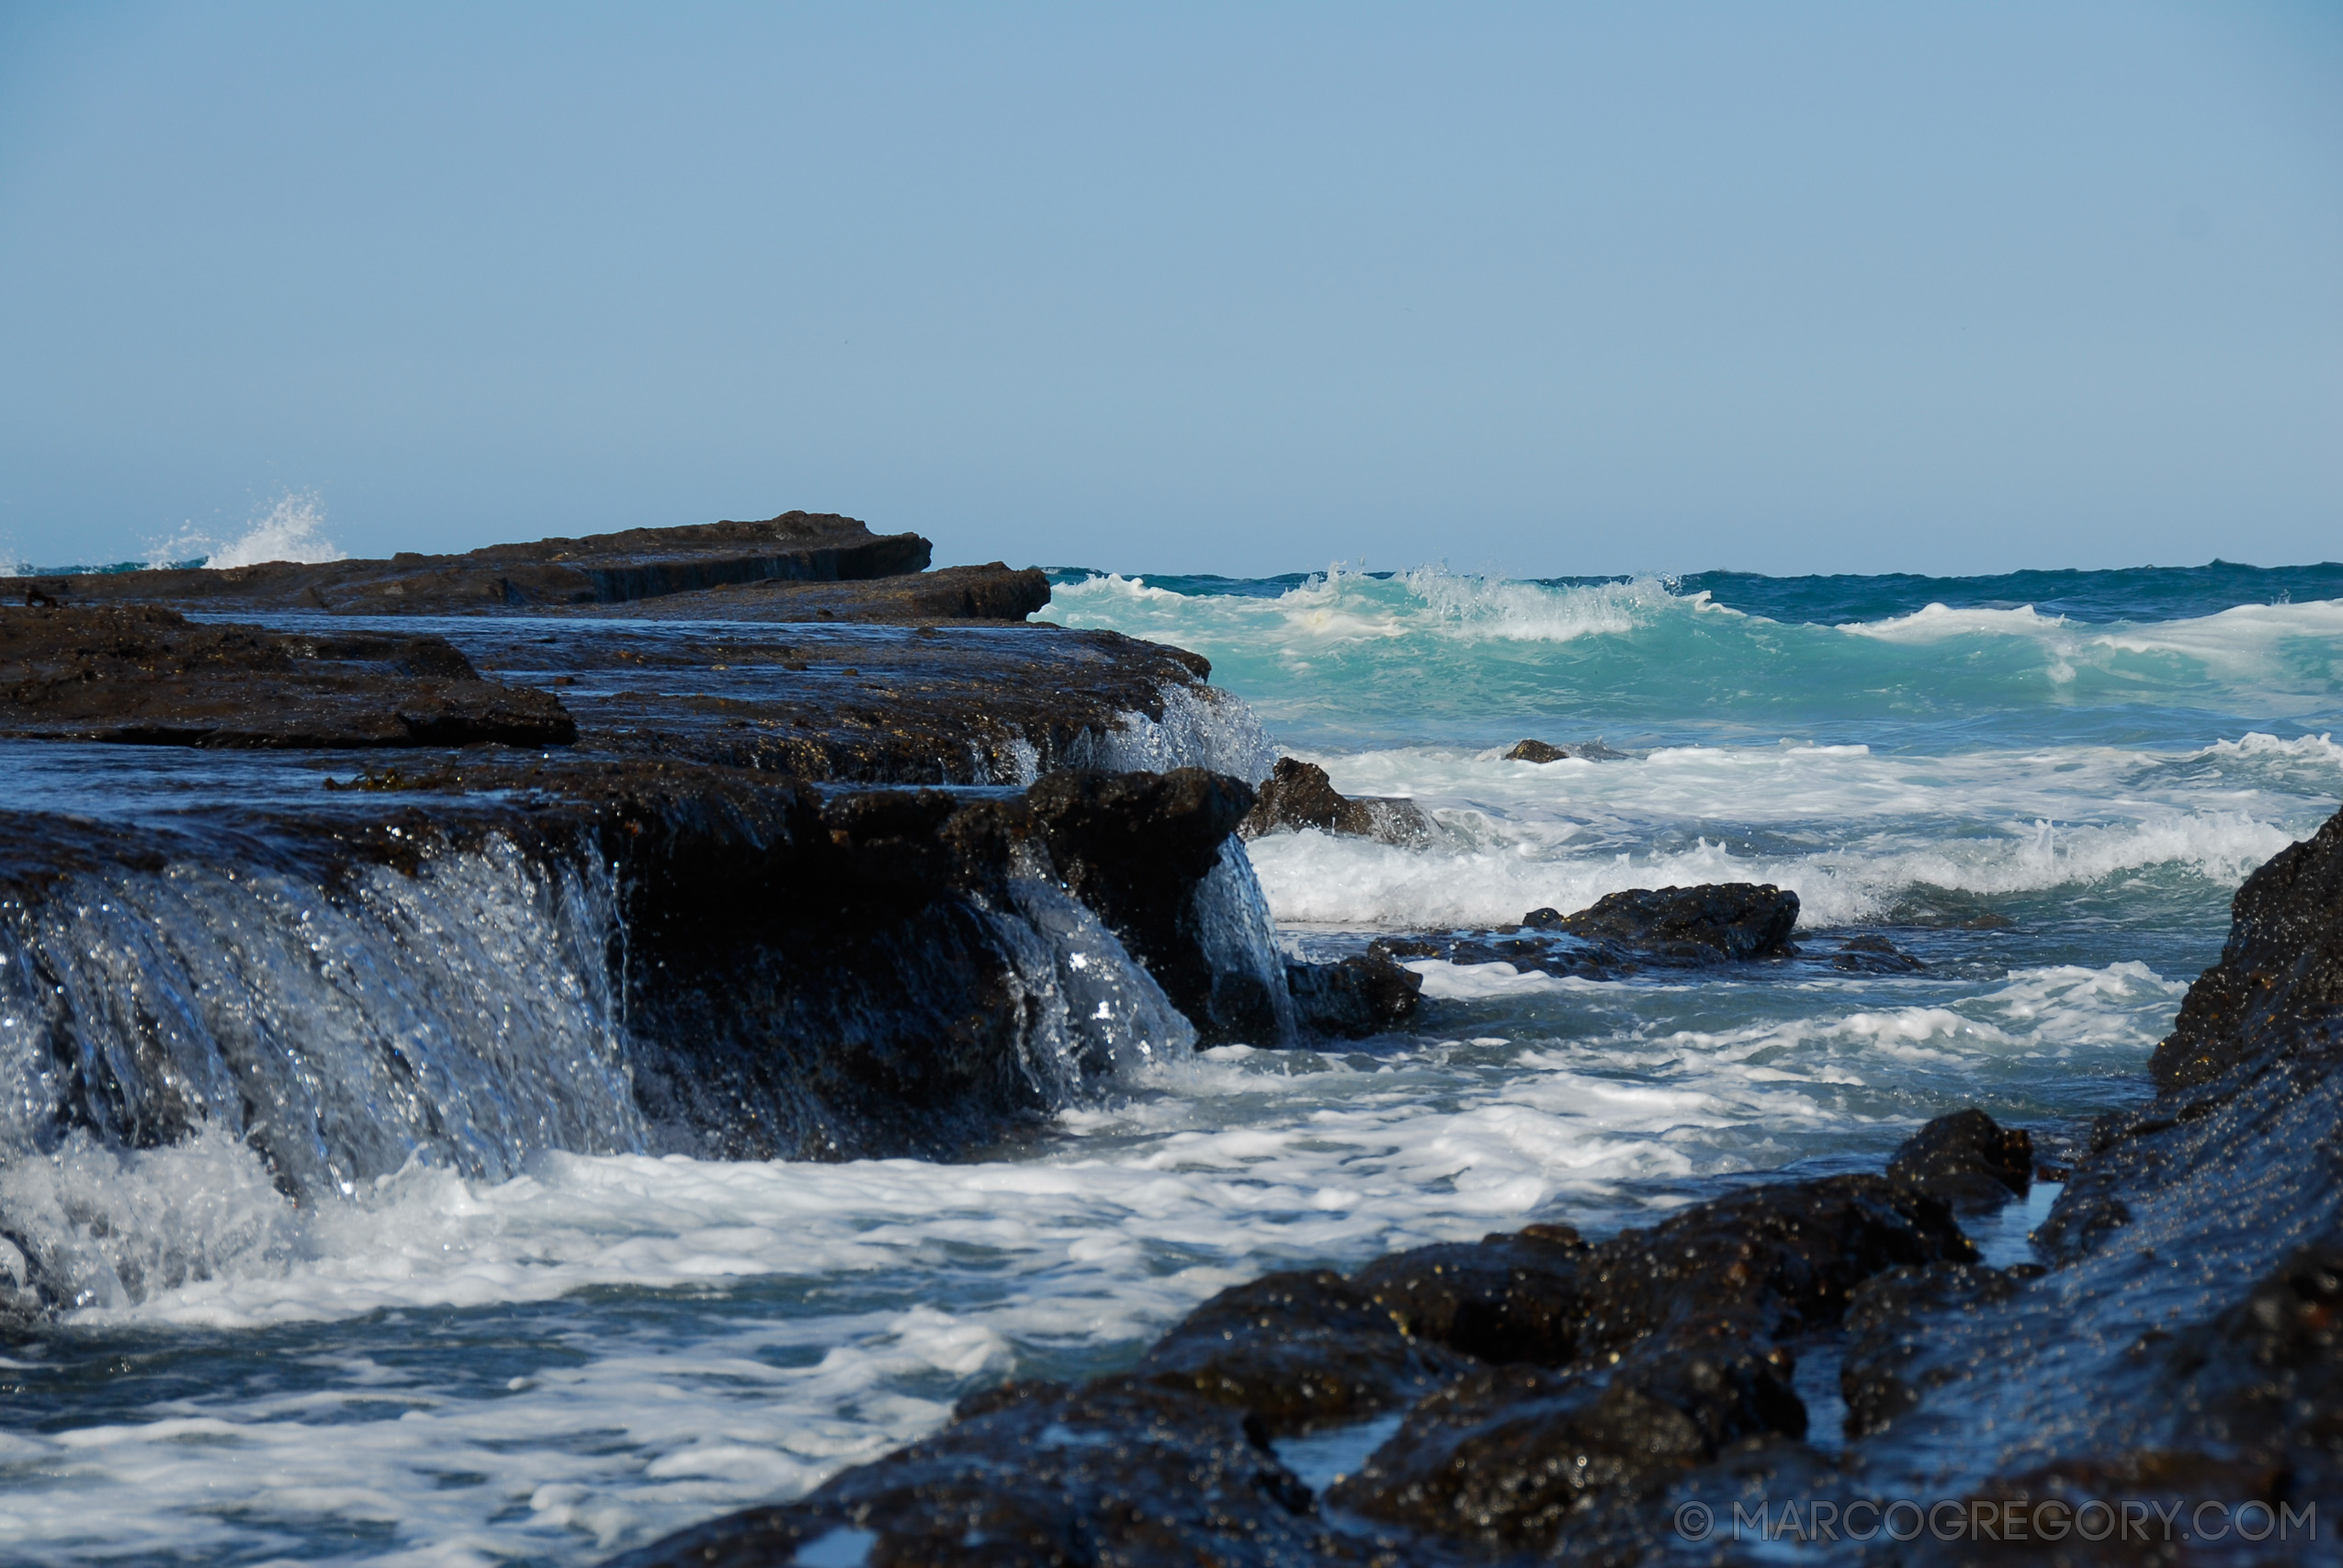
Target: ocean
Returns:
[2044, 785]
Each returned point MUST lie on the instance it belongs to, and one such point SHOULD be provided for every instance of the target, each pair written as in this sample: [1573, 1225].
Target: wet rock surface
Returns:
[1504, 1457]
[801, 972]
[2280, 974]
[820, 975]
[873, 704]
[1731, 921]
[138, 674]
[2264, 1379]
[1892, 1319]
[1299, 1350]
[1611, 1382]
[1138, 848]
[1516, 1297]
[885, 674]
[2176, 1348]
[809, 960]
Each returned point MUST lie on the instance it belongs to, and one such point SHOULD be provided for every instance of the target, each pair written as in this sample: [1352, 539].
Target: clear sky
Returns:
[1543, 289]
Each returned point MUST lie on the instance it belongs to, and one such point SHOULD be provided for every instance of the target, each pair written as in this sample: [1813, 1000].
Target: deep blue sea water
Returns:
[2046, 784]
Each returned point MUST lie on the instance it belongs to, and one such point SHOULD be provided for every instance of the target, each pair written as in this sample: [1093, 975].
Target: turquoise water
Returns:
[2047, 787]
[2146, 658]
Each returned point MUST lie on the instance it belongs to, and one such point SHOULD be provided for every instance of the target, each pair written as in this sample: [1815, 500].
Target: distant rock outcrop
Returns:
[600, 569]
[1542, 751]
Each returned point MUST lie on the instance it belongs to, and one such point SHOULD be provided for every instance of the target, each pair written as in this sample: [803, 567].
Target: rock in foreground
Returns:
[1665, 1350]
[1115, 1472]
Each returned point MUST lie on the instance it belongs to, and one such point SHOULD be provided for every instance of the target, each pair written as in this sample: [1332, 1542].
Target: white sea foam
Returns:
[1936, 623]
[292, 529]
[1851, 832]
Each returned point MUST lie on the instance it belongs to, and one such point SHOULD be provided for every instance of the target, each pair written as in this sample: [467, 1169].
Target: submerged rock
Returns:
[145, 676]
[1298, 795]
[1874, 955]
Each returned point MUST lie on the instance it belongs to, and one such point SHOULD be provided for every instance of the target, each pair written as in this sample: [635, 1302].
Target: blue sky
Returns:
[1540, 289]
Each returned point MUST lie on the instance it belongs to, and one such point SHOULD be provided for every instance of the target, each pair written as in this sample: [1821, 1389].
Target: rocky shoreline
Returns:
[778, 844]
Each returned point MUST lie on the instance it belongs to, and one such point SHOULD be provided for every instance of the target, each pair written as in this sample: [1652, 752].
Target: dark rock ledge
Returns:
[147, 675]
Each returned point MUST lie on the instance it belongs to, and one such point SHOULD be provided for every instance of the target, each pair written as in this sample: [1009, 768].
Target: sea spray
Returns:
[292, 529]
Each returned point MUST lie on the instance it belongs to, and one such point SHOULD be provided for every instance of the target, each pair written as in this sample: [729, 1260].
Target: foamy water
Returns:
[576, 1358]
[610, 1346]
[1857, 835]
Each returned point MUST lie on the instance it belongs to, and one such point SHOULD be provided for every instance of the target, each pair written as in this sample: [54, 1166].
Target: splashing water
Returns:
[292, 529]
